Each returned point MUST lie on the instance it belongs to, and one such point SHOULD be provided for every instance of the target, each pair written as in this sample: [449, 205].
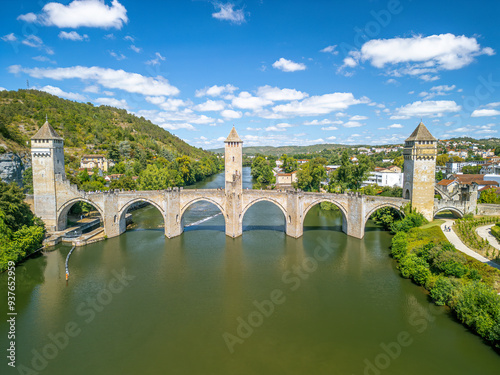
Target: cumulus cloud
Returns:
[167, 104]
[73, 35]
[228, 13]
[323, 122]
[319, 105]
[80, 13]
[352, 124]
[230, 114]
[430, 108]
[418, 55]
[109, 78]
[9, 38]
[437, 91]
[278, 127]
[211, 105]
[358, 118]
[3, 89]
[112, 102]
[485, 113]
[395, 126]
[215, 90]
[485, 130]
[58, 92]
[288, 65]
[277, 94]
[245, 100]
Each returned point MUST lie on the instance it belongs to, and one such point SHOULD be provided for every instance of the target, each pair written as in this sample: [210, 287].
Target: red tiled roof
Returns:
[445, 182]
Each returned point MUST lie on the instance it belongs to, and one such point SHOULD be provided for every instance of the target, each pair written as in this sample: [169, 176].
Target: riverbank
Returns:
[465, 284]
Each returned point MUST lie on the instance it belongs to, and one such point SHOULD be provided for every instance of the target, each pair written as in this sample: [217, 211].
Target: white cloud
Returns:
[118, 56]
[92, 88]
[430, 108]
[352, 124]
[245, 100]
[109, 78]
[392, 81]
[58, 92]
[322, 122]
[278, 127]
[80, 13]
[167, 104]
[43, 59]
[73, 35]
[156, 61]
[215, 90]
[109, 36]
[277, 94]
[485, 113]
[28, 17]
[288, 65]
[108, 93]
[135, 49]
[358, 118]
[418, 55]
[228, 13]
[437, 91]
[230, 114]
[253, 129]
[330, 49]
[210, 105]
[493, 105]
[129, 38]
[472, 129]
[327, 128]
[9, 38]
[331, 138]
[319, 105]
[112, 102]
[395, 126]
[33, 41]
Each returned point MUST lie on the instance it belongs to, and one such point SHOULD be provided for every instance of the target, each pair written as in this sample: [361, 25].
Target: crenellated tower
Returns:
[47, 159]
[233, 160]
[420, 153]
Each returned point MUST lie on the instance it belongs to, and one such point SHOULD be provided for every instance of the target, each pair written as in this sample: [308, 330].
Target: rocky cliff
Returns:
[12, 167]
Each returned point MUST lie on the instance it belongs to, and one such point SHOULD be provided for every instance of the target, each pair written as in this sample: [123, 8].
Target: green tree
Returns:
[471, 169]
[489, 196]
[289, 163]
[442, 159]
[311, 174]
[28, 180]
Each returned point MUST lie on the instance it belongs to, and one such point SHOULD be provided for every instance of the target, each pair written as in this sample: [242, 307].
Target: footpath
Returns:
[453, 238]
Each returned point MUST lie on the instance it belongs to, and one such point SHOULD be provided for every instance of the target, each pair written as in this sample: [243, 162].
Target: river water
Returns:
[203, 303]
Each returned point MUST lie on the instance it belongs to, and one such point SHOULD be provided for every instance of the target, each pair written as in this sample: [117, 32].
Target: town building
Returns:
[96, 161]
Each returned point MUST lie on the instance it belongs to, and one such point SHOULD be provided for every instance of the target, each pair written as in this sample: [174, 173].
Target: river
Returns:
[203, 303]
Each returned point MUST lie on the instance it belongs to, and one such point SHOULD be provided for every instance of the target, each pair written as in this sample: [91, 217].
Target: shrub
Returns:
[399, 245]
[411, 266]
[478, 306]
[443, 289]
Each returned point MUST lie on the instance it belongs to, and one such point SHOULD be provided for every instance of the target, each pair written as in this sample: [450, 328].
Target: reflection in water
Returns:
[188, 291]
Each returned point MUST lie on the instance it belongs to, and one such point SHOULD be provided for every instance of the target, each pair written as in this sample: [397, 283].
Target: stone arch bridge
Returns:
[172, 203]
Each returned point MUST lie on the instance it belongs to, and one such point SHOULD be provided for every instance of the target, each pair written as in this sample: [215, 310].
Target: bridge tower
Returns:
[233, 160]
[47, 158]
[420, 153]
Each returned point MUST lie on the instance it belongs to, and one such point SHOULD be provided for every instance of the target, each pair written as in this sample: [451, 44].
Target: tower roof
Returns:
[233, 136]
[46, 132]
[421, 134]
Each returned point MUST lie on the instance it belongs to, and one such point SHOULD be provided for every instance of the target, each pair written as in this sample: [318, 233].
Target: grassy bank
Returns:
[452, 278]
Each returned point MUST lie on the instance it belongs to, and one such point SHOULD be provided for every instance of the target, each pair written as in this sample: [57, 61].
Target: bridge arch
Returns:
[454, 210]
[180, 219]
[378, 207]
[337, 204]
[262, 199]
[120, 216]
[62, 212]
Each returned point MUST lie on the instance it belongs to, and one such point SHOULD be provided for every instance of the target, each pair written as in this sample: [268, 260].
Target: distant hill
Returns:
[289, 150]
[83, 126]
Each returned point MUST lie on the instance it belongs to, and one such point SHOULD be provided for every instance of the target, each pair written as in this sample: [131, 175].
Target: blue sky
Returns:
[283, 72]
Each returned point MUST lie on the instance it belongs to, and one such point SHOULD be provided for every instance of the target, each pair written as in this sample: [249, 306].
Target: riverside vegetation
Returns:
[467, 286]
[465, 229]
[21, 232]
